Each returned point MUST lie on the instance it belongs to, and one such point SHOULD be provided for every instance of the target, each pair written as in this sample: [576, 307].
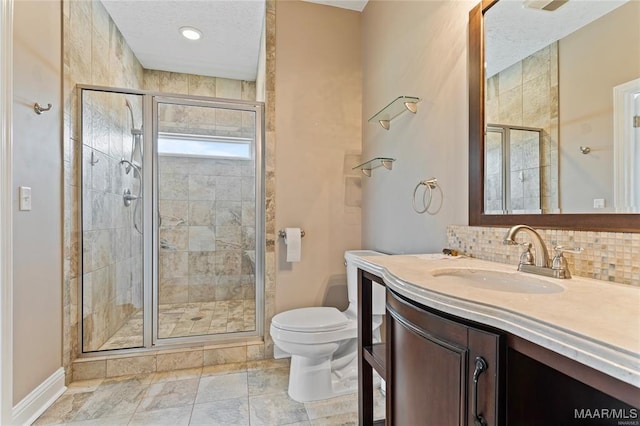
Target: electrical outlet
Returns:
[598, 203]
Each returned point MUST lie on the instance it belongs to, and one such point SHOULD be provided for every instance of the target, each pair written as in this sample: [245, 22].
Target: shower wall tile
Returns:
[202, 238]
[229, 213]
[228, 188]
[202, 293]
[202, 187]
[202, 213]
[174, 290]
[172, 82]
[213, 223]
[228, 237]
[173, 187]
[174, 213]
[202, 263]
[248, 91]
[173, 264]
[178, 238]
[230, 89]
[202, 86]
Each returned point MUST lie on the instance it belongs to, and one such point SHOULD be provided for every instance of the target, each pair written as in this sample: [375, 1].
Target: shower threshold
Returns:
[188, 319]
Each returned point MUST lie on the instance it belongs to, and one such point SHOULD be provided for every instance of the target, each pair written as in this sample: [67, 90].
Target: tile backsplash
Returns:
[608, 256]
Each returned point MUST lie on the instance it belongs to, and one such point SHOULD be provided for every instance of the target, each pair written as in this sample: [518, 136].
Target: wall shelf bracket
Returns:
[394, 109]
[374, 163]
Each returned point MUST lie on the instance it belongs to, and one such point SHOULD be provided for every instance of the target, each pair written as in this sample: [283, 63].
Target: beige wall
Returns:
[318, 98]
[587, 79]
[415, 48]
[37, 234]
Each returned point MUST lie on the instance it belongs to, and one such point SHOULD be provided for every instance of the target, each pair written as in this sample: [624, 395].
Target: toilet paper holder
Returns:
[282, 234]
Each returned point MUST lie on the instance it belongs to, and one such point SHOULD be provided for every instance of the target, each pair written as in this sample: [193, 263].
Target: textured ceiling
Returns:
[229, 47]
[514, 32]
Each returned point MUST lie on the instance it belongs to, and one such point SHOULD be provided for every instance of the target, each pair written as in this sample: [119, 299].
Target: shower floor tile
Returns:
[239, 394]
[188, 319]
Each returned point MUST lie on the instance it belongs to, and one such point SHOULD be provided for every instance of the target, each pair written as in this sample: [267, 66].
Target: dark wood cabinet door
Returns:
[431, 366]
[428, 377]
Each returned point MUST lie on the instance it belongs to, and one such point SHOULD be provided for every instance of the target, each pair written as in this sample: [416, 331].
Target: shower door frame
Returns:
[150, 217]
[221, 103]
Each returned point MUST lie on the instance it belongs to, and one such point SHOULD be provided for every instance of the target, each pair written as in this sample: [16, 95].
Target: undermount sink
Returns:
[496, 280]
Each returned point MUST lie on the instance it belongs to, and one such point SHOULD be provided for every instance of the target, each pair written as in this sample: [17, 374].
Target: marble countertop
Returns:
[594, 322]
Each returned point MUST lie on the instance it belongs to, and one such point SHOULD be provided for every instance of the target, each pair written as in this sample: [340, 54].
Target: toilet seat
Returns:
[313, 326]
[310, 320]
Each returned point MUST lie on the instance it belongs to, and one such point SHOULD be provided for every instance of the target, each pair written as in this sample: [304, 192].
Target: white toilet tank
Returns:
[379, 299]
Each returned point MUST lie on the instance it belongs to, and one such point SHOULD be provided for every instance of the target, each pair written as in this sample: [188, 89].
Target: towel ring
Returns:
[431, 184]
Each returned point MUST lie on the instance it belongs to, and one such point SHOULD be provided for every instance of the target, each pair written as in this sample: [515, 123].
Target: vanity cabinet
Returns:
[439, 371]
[445, 370]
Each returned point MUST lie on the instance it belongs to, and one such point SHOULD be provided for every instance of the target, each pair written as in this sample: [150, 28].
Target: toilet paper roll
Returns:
[293, 240]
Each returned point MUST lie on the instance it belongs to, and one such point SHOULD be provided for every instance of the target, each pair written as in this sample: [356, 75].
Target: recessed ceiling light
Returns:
[190, 33]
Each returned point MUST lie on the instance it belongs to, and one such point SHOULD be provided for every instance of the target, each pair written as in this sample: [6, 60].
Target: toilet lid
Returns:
[311, 319]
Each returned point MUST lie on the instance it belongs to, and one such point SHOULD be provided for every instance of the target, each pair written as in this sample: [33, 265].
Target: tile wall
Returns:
[207, 234]
[608, 256]
[525, 94]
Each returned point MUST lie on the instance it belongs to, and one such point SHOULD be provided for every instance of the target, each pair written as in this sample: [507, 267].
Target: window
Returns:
[185, 145]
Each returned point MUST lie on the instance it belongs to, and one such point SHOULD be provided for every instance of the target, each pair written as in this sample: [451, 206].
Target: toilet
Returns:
[322, 341]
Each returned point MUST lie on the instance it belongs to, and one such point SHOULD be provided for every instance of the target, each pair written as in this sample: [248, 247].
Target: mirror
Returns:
[547, 134]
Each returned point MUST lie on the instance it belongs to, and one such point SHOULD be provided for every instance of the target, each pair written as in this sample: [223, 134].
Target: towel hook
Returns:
[39, 109]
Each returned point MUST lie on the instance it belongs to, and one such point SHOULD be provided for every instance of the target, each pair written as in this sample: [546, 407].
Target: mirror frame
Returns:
[617, 222]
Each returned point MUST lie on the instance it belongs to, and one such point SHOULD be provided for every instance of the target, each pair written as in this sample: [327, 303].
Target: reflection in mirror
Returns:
[557, 82]
[513, 178]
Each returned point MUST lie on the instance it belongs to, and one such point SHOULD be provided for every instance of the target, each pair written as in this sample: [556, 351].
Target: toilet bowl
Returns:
[322, 341]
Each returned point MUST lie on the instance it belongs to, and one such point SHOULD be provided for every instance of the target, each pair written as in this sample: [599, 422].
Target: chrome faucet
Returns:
[542, 255]
[557, 268]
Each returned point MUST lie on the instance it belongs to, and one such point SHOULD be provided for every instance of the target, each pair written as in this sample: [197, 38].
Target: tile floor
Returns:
[188, 319]
[253, 393]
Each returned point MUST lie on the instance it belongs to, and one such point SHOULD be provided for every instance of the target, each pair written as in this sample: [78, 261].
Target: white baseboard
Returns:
[39, 399]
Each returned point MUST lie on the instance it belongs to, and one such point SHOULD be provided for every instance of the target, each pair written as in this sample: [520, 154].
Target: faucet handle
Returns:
[559, 262]
[561, 249]
[526, 257]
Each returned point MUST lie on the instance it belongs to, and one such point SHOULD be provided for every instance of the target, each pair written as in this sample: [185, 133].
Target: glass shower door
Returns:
[206, 199]
[112, 234]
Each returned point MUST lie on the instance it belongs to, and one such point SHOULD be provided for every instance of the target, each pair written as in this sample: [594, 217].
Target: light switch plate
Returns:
[24, 195]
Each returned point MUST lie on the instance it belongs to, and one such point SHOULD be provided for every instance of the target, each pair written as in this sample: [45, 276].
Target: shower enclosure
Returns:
[512, 160]
[172, 224]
